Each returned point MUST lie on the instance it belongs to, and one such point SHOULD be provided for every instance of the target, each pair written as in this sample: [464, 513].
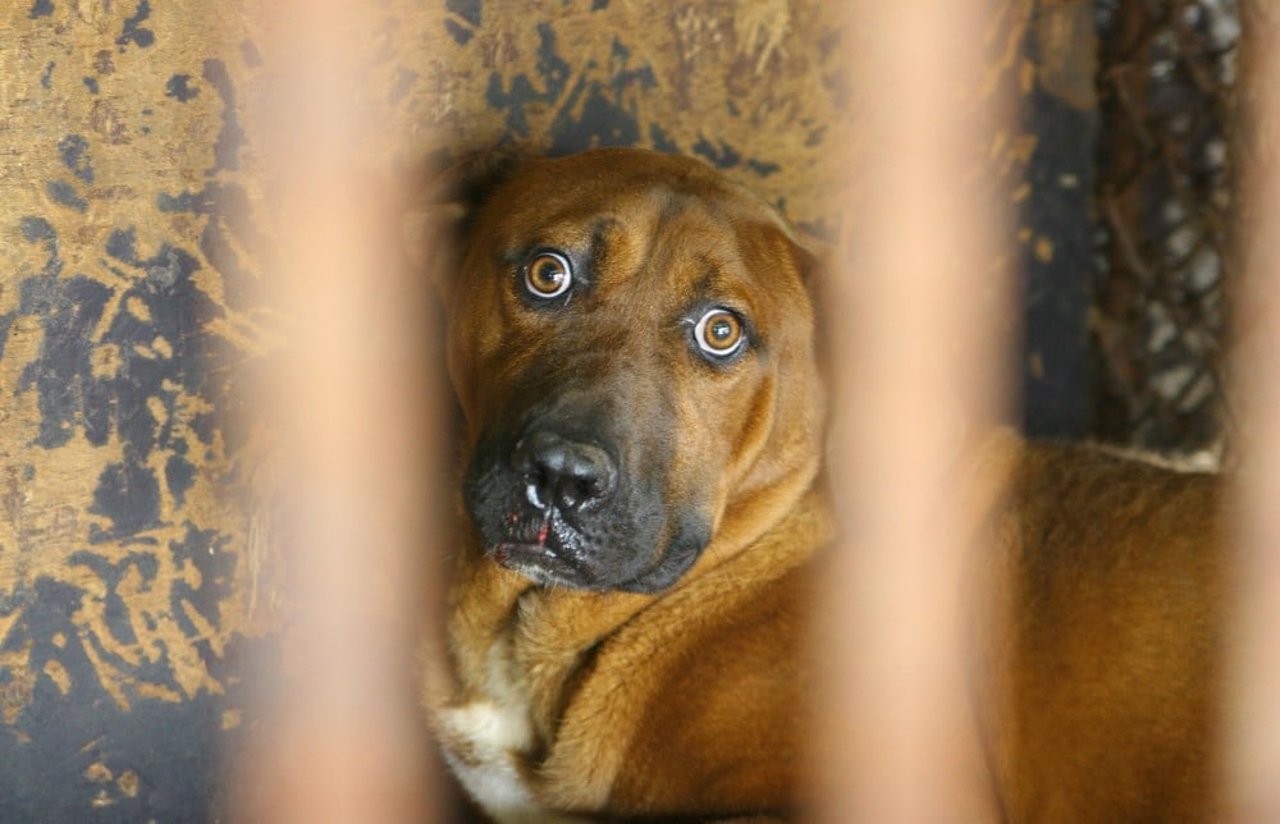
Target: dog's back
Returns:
[1110, 641]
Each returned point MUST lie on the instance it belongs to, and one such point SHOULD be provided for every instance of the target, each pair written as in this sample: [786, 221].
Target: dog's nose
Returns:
[563, 473]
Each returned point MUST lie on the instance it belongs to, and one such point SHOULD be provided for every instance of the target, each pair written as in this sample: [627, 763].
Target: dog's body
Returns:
[632, 342]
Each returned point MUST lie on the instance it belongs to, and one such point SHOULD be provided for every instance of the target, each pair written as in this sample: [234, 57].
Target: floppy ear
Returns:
[817, 260]
[435, 224]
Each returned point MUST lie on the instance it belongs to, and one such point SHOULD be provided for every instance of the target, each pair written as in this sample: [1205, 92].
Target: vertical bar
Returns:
[1253, 695]
[923, 315]
[351, 406]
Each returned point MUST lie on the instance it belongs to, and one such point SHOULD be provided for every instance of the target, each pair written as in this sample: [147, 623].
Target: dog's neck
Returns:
[551, 629]
[515, 649]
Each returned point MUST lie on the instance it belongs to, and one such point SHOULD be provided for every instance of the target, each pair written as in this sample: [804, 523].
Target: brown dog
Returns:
[631, 339]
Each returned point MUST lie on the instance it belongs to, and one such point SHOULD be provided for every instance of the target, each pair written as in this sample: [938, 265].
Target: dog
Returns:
[632, 340]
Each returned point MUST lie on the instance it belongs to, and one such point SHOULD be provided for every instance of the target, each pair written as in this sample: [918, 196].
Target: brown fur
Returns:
[1115, 639]
[689, 701]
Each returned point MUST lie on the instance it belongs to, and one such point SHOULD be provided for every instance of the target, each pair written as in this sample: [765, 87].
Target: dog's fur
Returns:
[627, 620]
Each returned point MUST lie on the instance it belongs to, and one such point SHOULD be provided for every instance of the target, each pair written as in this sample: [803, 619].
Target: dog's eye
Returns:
[548, 275]
[719, 333]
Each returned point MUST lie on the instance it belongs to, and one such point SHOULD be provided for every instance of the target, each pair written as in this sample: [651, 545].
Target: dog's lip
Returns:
[540, 558]
[506, 549]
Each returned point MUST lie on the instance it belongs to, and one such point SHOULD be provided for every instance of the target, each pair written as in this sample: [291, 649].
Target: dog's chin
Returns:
[541, 565]
[550, 563]
[544, 568]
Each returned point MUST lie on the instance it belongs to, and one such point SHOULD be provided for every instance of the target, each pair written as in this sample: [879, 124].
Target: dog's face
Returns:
[631, 342]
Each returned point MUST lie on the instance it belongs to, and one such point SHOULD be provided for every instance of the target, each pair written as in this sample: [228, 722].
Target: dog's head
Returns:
[631, 341]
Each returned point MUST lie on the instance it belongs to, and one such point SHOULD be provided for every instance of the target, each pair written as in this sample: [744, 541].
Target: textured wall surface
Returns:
[125, 337]
[132, 586]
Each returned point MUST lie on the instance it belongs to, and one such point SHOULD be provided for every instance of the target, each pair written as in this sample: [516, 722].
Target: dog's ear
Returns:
[435, 223]
[816, 259]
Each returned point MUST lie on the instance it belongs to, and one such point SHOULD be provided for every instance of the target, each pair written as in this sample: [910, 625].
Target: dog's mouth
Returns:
[541, 545]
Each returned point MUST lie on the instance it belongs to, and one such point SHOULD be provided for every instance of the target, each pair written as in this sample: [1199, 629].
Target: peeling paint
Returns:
[133, 32]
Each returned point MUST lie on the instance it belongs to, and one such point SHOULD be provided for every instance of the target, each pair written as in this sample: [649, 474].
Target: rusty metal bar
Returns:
[922, 319]
[351, 404]
[1251, 699]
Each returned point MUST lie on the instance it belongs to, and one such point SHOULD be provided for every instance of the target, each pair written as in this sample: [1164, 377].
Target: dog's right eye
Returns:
[719, 333]
[548, 275]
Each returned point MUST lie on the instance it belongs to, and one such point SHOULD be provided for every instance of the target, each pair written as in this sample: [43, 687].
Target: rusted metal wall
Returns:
[126, 338]
[133, 223]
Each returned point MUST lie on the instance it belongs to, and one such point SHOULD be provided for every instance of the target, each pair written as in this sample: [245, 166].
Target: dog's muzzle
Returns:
[561, 507]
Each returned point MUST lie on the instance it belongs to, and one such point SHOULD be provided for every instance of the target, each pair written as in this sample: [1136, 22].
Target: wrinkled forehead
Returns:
[649, 222]
[639, 220]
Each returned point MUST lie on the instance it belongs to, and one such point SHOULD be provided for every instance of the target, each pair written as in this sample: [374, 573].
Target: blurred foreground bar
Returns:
[921, 316]
[351, 405]
[1253, 699]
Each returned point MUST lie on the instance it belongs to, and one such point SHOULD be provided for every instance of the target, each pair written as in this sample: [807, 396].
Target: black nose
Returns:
[563, 473]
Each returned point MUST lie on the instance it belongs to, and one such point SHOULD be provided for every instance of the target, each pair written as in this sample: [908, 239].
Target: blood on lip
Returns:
[514, 530]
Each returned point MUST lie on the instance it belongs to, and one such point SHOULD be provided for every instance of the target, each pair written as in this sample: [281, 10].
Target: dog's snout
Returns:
[563, 473]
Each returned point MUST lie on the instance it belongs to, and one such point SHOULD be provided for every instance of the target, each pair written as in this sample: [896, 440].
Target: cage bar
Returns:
[1252, 711]
[351, 405]
[922, 333]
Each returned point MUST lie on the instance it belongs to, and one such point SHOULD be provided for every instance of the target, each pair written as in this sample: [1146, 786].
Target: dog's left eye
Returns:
[548, 275]
[719, 333]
